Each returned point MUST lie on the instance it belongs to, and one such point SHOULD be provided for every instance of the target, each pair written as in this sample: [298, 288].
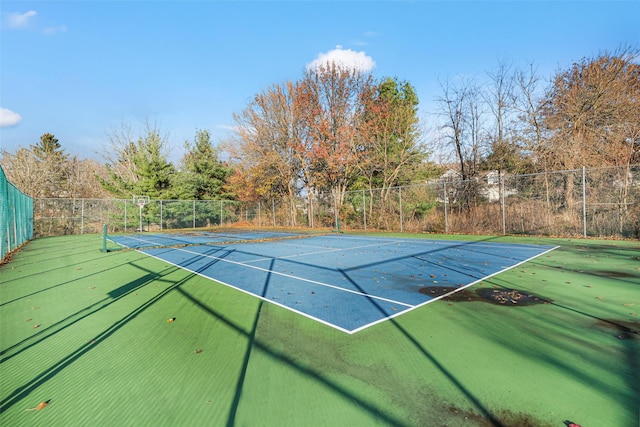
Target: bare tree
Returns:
[530, 101]
[120, 152]
[82, 182]
[500, 98]
[462, 121]
[39, 175]
[23, 170]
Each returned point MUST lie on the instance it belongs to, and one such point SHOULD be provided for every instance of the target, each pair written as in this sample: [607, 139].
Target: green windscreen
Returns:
[16, 216]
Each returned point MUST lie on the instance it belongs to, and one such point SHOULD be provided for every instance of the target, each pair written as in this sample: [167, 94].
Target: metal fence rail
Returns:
[599, 202]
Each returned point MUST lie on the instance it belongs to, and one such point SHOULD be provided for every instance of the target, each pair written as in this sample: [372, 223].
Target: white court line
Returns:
[286, 307]
[447, 243]
[302, 279]
[452, 292]
[140, 239]
[325, 251]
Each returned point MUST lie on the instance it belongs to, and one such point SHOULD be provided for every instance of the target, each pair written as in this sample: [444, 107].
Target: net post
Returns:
[104, 238]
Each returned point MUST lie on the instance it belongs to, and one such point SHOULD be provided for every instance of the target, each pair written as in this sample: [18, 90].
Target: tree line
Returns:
[337, 129]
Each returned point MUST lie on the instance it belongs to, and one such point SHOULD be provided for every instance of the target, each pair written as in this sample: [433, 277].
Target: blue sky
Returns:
[82, 69]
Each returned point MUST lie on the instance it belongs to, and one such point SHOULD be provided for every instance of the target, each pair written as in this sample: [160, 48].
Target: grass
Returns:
[105, 354]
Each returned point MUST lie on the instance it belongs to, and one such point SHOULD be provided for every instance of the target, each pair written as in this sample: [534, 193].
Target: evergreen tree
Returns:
[154, 170]
[51, 166]
[391, 137]
[140, 168]
[203, 176]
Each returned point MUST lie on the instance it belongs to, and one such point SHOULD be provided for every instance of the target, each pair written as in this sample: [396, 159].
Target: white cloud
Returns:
[24, 21]
[8, 118]
[20, 20]
[346, 58]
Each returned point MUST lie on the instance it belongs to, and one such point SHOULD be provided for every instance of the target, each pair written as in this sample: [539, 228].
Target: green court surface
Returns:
[90, 332]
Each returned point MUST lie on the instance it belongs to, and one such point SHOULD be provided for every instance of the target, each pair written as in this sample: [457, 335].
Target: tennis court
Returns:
[204, 331]
[347, 282]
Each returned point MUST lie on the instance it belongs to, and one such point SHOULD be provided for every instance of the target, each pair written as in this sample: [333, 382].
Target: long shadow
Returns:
[372, 409]
[63, 283]
[60, 267]
[40, 259]
[253, 343]
[609, 275]
[626, 335]
[114, 295]
[72, 319]
[472, 398]
[371, 264]
[231, 419]
[469, 274]
[44, 376]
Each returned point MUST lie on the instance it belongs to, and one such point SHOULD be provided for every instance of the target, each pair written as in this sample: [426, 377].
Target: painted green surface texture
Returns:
[91, 332]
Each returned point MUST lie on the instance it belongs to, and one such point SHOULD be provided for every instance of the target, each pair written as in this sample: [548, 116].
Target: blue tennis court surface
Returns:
[347, 282]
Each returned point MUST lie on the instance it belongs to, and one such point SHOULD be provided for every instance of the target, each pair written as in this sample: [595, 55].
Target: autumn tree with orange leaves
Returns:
[332, 100]
[268, 146]
[592, 113]
[332, 130]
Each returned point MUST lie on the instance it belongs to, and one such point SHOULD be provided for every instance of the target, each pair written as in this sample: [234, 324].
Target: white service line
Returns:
[295, 277]
[326, 251]
[286, 307]
[140, 239]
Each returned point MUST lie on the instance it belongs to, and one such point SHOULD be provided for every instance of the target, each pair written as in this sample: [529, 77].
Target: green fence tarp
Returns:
[16, 216]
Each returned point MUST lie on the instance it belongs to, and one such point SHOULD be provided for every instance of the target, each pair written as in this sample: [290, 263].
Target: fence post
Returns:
[446, 199]
[273, 209]
[584, 204]
[14, 218]
[400, 197]
[125, 215]
[335, 209]
[364, 210]
[160, 215]
[311, 211]
[504, 222]
[193, 209]
[82, 216]
[291, 212]
[259, 214]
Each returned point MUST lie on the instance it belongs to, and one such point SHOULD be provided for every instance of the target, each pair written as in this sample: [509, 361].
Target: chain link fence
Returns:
[599, 202]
